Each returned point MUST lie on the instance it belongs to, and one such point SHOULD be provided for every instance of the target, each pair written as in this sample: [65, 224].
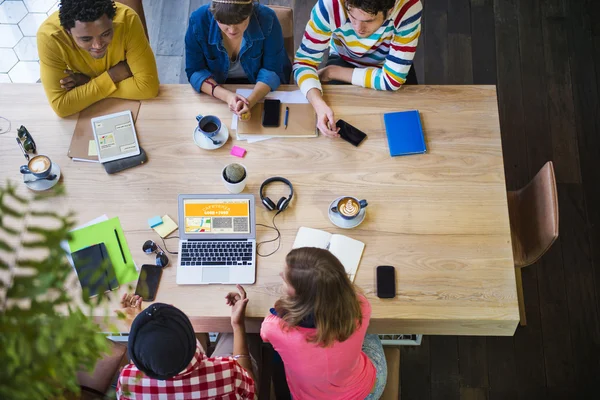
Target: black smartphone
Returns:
[386, 282]
[349, 133]
[148, 281]
[271, 113]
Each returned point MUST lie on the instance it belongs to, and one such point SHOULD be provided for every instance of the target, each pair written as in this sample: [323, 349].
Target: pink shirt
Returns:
[341, 371]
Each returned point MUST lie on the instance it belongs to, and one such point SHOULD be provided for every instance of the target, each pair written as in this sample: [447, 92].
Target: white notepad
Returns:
[347, 250]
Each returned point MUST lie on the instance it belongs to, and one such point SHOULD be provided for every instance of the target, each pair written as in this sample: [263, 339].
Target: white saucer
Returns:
[42, 184]
[340, 222]
[205, 143]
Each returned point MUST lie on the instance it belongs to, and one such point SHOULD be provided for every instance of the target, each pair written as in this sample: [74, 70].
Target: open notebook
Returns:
[347, 250]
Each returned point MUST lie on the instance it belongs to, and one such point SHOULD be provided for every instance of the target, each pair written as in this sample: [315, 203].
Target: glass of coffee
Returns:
[209, 125]
[349, 207]
[39, 166]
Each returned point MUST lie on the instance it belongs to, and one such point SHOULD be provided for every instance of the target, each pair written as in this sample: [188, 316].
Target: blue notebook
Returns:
[404, 133]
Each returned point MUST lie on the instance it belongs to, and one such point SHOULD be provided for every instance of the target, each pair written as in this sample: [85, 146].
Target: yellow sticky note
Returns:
[166, 227]
[92, 149]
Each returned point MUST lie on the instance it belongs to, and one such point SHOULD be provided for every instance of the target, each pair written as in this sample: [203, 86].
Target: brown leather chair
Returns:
[392, 386]
[138, 7]
[533, 212]
[285, 15]
[98, 382]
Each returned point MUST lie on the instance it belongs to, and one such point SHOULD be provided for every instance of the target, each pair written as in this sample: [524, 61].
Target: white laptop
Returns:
[217, 239]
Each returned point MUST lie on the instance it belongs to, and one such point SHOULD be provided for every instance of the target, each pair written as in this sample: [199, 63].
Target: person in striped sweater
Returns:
[371, 44]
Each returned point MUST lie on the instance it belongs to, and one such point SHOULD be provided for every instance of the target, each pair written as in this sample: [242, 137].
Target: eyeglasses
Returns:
[150, 247]
[26, 141]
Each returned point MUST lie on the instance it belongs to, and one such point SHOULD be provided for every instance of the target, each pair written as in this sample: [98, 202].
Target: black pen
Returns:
[120, 247]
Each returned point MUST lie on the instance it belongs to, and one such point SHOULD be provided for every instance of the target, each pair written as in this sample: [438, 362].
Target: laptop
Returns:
[217, 239]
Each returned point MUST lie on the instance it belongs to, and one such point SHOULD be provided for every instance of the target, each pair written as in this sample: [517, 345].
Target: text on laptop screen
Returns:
[216, 216]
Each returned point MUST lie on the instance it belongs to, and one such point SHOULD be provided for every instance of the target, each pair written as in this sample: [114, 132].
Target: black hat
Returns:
[162, 342]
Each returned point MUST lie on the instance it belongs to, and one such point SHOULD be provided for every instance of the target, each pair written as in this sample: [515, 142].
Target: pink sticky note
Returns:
[238, 151]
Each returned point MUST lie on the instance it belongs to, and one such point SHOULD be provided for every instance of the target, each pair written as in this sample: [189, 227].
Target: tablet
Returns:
[115, 136]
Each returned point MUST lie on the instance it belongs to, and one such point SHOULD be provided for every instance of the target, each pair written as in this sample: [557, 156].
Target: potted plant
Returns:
[45, 340]
[234, 177]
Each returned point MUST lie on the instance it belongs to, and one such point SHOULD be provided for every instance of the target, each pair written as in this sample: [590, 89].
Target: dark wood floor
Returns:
[544, 57]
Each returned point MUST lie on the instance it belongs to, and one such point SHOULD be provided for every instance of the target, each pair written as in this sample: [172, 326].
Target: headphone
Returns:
[283, 202]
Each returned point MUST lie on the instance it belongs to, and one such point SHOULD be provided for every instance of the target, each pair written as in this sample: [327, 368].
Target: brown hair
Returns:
[231, 12]
[372, 7]
[323, 290]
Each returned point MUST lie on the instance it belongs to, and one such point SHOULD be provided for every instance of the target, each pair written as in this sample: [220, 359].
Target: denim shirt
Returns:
[262, 54]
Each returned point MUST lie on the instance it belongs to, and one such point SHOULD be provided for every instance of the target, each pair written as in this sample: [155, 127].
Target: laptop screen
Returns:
[216, 216]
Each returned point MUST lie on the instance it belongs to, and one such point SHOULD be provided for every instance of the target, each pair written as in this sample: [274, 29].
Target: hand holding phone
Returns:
[325, 115]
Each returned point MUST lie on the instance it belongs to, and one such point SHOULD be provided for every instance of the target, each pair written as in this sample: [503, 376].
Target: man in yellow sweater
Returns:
[93, 49]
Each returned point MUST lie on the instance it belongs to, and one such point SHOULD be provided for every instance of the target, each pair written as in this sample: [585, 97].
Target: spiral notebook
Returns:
[404, 133]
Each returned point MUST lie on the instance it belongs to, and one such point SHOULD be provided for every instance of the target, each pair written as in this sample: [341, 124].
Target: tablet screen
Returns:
[115, 136]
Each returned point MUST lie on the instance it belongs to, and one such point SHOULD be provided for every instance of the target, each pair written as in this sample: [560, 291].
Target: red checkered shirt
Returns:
[205, 378]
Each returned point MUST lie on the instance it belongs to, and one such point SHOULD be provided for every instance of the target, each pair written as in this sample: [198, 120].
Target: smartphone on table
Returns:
[350, 134]
[386, 282]
[271, 113]
[148, 281]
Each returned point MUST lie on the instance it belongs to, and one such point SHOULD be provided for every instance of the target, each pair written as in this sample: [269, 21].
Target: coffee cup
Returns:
[39, 166]
[209, 125]
[349, 207]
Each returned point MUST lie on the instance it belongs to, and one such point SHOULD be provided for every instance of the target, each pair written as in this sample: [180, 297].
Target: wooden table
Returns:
[440, 218]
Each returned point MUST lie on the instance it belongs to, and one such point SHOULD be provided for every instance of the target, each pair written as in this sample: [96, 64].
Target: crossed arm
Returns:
[69, 92]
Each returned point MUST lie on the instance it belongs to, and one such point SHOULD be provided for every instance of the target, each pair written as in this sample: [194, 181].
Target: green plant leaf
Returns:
[9, 231]
[44, 340]
[7, 210]
[6, 247]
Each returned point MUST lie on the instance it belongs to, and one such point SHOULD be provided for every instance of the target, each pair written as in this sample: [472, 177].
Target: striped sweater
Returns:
[382, 60]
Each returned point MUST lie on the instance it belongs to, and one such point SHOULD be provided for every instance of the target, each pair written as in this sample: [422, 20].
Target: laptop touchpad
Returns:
[215, 275]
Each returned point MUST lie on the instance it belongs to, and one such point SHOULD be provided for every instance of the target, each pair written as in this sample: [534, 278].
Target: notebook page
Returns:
[309, 237]
[348, 251]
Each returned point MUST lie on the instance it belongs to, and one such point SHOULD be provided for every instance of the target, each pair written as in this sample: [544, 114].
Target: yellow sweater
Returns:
[58, 51]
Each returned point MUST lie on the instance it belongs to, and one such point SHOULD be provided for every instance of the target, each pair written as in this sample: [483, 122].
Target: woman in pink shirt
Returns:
[319, 329]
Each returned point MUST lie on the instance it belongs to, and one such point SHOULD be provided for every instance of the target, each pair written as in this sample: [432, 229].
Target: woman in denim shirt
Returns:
[235, 41]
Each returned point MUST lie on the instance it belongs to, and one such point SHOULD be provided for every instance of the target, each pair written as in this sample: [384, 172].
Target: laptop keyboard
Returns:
[200, 253]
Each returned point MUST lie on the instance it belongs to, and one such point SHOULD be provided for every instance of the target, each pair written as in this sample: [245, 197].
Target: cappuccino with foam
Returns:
[39, 164]
[349, 207]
